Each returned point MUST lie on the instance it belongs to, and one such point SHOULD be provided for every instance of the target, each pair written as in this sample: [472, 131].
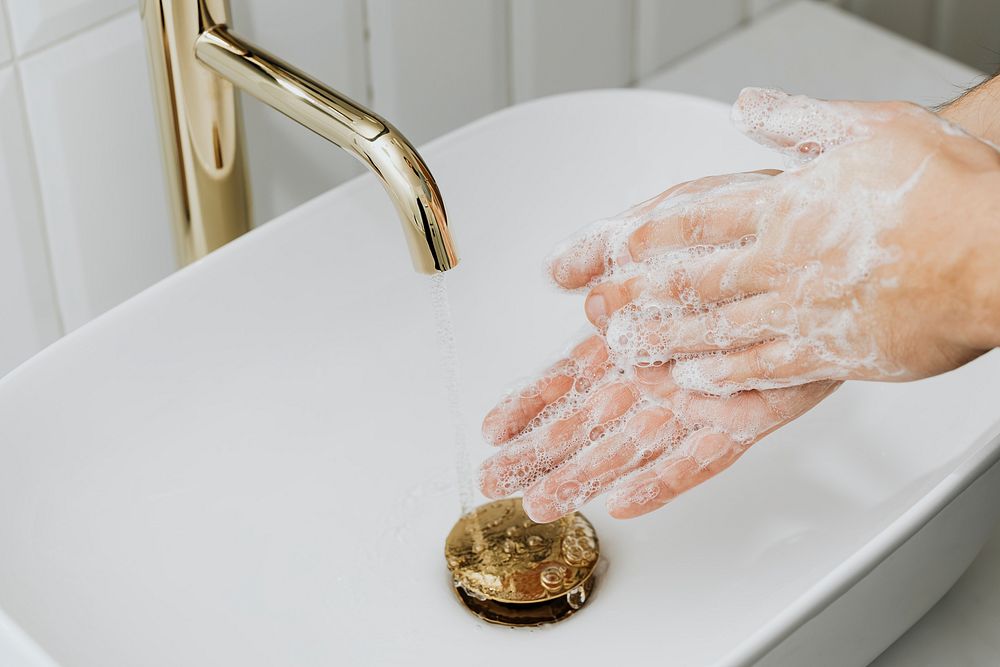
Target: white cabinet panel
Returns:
[288, 163]
[969, 30]
[563, 45]
[909, 18]
[883, 65]
[29, 319]
[91, 117]
[668, 29]
[4, 41]
[757, 7]
[36, 23]
[437, 64]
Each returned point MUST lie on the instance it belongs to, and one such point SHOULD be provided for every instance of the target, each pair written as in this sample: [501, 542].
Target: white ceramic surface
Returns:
[961, 628]
[249, 463]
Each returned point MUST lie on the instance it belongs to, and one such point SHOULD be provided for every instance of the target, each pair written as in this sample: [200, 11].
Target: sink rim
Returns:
[985, 455]
[982, 455]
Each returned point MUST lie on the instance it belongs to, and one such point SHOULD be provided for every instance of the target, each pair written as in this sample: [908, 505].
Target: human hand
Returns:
[585, 427]
[756, 283]
[872, 260]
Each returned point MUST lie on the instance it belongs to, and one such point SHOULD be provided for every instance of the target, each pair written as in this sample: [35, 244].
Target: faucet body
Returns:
[196, 64]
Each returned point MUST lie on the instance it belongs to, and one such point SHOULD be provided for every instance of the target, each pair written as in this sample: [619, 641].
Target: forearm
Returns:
[979, 284]
[977, 111]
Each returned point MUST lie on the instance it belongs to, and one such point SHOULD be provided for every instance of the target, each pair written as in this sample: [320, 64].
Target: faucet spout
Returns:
[201, 42]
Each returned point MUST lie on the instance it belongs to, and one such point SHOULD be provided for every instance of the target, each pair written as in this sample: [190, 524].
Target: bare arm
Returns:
[977, 110]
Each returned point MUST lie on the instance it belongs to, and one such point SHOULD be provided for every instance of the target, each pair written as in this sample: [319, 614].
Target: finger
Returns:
[799, 126]
[725, 428]
[750, 415]
[724, 303]
[713, 276]
[707, 455]
[589, 255]
[584, 257]
[585, 364]
[537, 452]
[769, 365]
[646, 437]
[729, 326]
[706, 278]
[690, 189]
[725, 218]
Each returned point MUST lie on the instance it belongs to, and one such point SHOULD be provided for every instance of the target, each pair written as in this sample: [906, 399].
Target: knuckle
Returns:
[638, 241]
[690, 229]
[759, 365]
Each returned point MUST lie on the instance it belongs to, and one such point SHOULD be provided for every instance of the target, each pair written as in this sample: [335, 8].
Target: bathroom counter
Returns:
[961, 628]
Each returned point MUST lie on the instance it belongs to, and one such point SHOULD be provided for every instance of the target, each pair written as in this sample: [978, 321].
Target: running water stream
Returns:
[448, 351]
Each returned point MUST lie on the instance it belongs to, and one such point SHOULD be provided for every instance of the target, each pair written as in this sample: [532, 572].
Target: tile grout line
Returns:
[76, 32]
[37, 178]
[366, 56]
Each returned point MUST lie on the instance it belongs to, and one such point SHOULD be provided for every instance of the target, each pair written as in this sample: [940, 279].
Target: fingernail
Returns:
[710, 447]
[596, 307]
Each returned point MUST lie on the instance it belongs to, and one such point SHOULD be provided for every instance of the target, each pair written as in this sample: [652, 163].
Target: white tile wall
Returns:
[4, 35]
[37, 23]
[29, 315]
[78, 67]
[437, 64]
[91, 117]
[563, 45]
[288, 164]
[668, 29]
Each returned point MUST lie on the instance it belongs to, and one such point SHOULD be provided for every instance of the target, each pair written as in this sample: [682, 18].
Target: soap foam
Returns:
[839, 257]
[799, 127]
[641, 421]
[613, 424]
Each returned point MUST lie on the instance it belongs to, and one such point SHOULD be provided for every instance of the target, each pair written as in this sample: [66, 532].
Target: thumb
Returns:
[798, 126]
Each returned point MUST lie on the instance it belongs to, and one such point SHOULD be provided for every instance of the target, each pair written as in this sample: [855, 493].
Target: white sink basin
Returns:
[250, 464]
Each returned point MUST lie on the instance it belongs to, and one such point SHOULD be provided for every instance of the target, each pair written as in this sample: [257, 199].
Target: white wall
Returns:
[83, 218]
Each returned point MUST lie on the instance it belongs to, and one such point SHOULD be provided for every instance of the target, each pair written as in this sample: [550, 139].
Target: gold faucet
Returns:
[195, 63]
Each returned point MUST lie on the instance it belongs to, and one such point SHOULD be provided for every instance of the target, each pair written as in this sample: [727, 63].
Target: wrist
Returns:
[977, 111]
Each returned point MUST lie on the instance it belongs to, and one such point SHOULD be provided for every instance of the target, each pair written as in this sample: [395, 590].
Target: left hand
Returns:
[873, 260]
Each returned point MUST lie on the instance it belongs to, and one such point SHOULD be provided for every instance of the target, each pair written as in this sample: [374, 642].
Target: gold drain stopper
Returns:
[510, 570]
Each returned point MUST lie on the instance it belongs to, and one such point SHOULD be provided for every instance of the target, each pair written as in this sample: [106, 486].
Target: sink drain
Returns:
[509, 570]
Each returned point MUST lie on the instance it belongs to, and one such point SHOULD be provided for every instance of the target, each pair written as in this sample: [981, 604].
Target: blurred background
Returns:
[83, 212]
